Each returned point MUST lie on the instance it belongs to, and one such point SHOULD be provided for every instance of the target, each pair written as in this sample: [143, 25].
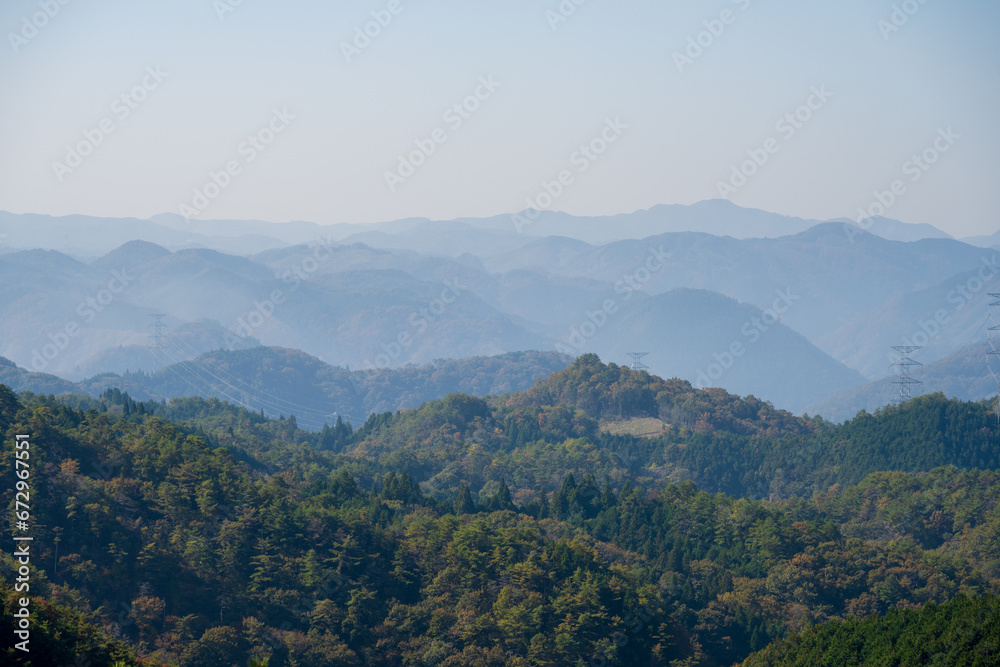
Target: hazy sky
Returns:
[678, 127]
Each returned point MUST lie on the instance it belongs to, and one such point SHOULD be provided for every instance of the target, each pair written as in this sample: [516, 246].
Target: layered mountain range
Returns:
[789, 310]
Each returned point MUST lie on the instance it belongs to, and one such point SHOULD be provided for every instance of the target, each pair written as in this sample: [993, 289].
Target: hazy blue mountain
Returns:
[718, 217]
[303, 263]
[941, 319]
[89, 237]
[990, 241]
[550, 255]
[185, 342]
[285, 232]
[131, 255]
[448, 238]
[20, 379]
[356, 317]
[358, 306]
[378, 316]
[963, 375]
[895, 230]
[552, 302]
[56, 311]
[538, 303]
[290, 382]
[712, 340]
[838, 273]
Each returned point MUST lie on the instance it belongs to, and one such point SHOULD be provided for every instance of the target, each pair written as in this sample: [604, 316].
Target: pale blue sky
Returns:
[608, 60]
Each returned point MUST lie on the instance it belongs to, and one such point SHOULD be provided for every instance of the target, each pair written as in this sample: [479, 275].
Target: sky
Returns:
[248, 109]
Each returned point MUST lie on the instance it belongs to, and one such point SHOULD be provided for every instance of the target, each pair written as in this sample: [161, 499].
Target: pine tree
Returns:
[464, 503]
[501, 499]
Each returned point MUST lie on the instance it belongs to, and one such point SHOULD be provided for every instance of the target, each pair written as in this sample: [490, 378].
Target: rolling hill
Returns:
[509, 531]
[281, 382]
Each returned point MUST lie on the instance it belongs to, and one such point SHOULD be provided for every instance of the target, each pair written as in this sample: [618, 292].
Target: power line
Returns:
[904, 364]
[156, 338]
[993, 340]
[637, 365]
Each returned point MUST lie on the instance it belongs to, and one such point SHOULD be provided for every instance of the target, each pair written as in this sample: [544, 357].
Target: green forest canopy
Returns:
[502, 531]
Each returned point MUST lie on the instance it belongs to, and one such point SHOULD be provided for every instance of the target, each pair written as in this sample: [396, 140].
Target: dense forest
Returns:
[962, 632]
[521, 529]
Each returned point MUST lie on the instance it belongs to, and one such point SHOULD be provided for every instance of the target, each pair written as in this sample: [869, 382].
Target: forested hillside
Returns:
[739, 446]
[516, 530]
[962, 632]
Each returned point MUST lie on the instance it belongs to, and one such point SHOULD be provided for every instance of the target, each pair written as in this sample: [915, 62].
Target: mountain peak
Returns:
[896, 230]
[840, 231]
[133, 253]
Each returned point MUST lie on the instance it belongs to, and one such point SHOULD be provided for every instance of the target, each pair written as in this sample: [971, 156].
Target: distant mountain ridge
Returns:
[286, 382]
[363, 307]
[90, 236]
[413, 291]
[840, 276]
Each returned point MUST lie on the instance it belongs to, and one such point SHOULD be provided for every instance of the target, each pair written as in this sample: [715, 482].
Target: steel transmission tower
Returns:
[636, 364]
[156, 346]
[904, 364]
[993, 341]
